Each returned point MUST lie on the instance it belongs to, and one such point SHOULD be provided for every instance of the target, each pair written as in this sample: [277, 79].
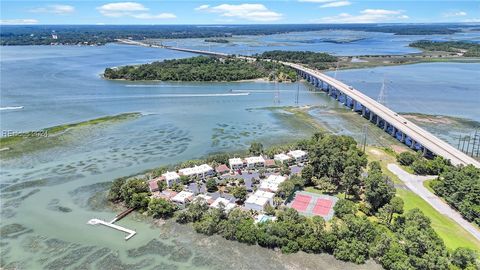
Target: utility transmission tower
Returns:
[298, 91]
[383, 93]
[336, 69]
[365, 129]
[276, 97]
[474, 143]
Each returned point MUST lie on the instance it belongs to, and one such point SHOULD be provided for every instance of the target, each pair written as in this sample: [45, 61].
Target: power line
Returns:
[474, 142]
[365, 128]
[298, 91]
[336, 69]
[382, 95]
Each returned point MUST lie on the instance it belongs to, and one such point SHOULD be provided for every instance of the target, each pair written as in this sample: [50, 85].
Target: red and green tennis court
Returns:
[311, 204]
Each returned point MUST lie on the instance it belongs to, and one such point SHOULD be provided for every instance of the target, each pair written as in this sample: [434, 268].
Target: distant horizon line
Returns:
[253, 24]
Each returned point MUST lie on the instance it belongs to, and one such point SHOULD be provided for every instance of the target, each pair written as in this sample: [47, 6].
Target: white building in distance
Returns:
[255, 162]
[272, 182]
[236, 163]
[171, 178]
[282, 158]
[298, 155]
[203, 198]
[183, 197]
[201, 171]
[227, 205]
[258, 200]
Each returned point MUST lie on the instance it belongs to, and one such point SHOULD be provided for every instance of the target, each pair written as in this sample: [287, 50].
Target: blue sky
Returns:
[237, 12]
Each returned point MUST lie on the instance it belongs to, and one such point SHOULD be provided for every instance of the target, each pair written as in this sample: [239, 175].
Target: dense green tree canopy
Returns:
[461, 188]
[313, 59]
[203, 68]
[161, 208]
[469, 49]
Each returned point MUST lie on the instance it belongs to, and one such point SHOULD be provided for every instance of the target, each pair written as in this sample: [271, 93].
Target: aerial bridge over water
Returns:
[391, 122]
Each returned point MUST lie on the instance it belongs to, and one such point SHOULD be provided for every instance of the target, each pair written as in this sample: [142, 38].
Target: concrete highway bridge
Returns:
[394, 124]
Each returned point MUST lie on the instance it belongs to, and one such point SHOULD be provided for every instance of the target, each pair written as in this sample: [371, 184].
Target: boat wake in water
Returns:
[11, 108]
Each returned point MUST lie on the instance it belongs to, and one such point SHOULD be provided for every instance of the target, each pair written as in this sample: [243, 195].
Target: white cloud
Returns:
[18, 21]
[474, 20]
[249, 12]
[202, 7]
[316, 1]
[336, 4]
[380, 12]
[56, 9]
[154, 16]
[454, 14]
[131, 9]
[120, 9]
[366, 16]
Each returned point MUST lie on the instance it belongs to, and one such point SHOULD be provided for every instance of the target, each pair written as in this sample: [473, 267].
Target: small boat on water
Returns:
[11, 108]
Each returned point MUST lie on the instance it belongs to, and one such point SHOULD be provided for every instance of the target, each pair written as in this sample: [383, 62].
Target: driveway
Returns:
[415, 184]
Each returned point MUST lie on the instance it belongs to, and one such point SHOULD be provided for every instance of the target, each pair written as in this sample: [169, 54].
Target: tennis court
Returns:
[301, 202]
[322, 207]
[312, 204]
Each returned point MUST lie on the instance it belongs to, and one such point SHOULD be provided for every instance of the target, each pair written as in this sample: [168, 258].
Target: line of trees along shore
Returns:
[102, 34]
[203, 68]
[469, 49]
[316, 60]
[459, 186]
[369, 221]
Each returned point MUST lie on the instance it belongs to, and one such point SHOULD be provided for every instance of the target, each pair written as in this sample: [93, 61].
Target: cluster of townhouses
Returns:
[260, 196]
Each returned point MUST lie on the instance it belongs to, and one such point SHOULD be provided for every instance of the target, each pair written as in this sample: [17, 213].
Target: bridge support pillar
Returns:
[378, 121]
[403, 138]
[354, 104]
[424, 151]
[413, 144]
[363, 110]
[394, 131]
[385, 125]
[371, 116]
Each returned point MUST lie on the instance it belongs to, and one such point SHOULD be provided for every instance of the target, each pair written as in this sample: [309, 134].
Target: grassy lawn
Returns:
[313, 190]
[426, 184]
[452, 234]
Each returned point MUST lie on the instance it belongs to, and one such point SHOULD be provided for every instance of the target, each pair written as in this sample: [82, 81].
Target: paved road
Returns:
[425, 138]
[415, 184]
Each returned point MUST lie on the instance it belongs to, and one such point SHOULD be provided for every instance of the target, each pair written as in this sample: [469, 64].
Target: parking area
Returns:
[311, 204]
